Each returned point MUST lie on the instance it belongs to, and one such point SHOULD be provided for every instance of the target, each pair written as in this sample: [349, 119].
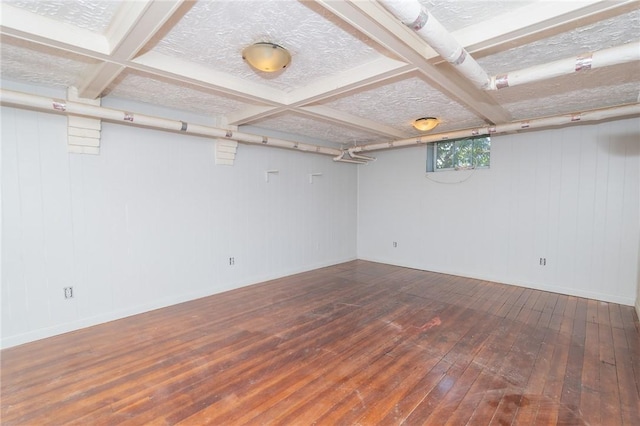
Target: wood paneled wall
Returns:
[153, 221]
[570, 195]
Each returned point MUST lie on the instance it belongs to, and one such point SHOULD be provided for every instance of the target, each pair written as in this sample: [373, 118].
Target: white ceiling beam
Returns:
[345, 119]
[343, 83]
[182, 71]
[133, 26]
[535, 21]
[377, 23]
[22, 24]
[538, 19]
[99, 78]
[377, 71]
[95, 47]
[252, 113]
[125, 38]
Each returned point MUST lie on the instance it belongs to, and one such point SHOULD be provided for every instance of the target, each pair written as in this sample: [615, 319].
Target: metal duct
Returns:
[603, 58]
[413, 15]
[123, 117]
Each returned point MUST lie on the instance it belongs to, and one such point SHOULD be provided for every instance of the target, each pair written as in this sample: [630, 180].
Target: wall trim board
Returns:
[157, 304]
[532, 285]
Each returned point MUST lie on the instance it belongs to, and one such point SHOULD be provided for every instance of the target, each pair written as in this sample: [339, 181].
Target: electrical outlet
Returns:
[68, 292]
[395, 244]
[232, 261]
[543, 261]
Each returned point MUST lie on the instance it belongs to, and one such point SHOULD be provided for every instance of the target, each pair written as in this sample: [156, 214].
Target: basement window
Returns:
[459, 154]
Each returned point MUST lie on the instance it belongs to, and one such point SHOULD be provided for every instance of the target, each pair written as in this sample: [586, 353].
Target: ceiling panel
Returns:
[604, 87]
[159, 91]
[92, 15]
[28, 62]
[317, 129]
[601, 35]
[575, 101]
[455, 15]
[399, 103]
[214, 33]
[357, 76]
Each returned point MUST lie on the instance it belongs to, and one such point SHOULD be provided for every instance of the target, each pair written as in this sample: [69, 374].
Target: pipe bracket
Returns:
[59, 106]
[583, 62]
[420, 21]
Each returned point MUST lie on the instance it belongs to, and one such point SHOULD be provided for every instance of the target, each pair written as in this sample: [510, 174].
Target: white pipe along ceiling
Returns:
[9, 97]
[538, 123]
[418, 18]
[603, 58]
[361, 72]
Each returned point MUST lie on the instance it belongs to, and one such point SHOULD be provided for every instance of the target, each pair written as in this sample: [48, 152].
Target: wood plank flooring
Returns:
[359, 343]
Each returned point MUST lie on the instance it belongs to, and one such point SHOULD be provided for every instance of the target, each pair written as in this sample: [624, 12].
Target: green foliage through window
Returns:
[460, 154]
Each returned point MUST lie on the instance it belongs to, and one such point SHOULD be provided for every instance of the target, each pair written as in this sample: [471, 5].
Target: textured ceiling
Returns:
[455, 15]
[316, 128]
[91, 15]
[301, 29]
[398, 104]
[357, 76]
[610, 32]
[159, 91]
[29, 62]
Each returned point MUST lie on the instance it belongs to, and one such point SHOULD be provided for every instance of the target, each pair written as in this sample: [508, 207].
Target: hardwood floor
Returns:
[354, 344]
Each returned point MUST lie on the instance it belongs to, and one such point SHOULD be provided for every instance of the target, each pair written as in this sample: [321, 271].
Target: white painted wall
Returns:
[638, 295]
[570, 195]
[152, 221]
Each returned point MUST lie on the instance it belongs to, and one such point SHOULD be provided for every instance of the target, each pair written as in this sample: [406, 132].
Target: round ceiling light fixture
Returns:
[267, 57]
[425, 124]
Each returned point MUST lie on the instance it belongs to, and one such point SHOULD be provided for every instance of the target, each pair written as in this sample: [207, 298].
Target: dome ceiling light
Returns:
[425, 124]
[267, 57]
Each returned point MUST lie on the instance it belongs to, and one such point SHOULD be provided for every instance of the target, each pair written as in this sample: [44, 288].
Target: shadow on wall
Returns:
[622, 145]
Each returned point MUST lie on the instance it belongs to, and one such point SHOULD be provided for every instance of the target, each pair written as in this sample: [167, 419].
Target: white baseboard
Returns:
[628, 301]
[30, 336]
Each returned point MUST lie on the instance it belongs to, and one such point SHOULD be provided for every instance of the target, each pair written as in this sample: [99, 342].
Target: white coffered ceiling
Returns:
[358, 75]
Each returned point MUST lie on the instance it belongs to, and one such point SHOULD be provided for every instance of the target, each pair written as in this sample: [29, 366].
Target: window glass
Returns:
[445, 152]
[460, 154]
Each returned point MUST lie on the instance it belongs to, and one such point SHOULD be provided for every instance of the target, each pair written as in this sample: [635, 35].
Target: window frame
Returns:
[432, 154]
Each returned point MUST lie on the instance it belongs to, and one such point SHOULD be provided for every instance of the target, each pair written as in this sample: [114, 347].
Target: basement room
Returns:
[320, 212]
